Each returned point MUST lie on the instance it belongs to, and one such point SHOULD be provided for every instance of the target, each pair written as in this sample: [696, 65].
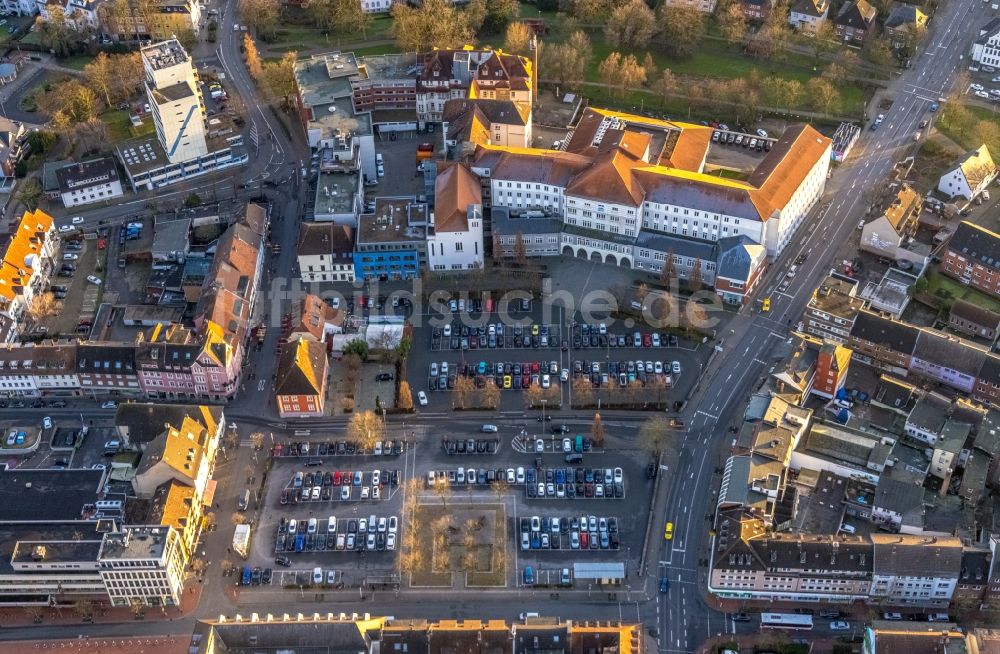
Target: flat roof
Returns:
[613, 570]
[401, 66]
[172, 93]
[164, 54]
[392, 221]
[64, 542]
[46, 494]
[336, 192]
[144, 542]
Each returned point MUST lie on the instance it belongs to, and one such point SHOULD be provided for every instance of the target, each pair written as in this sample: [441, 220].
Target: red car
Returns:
[583, 540]
[647, 340]
[534, 367]
[336, 478]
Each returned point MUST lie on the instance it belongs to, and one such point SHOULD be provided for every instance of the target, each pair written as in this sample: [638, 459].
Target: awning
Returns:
[614, 570]
[209, 497]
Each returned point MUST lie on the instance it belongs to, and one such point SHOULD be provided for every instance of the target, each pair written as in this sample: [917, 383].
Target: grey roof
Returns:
[975, 314]
[598, 235]
[988, 30]
[681, 247]
[898, 496]
[330, 637]
[951, 353]
[858, 14]
[171, 235]
[990, 372]
[697, 194]
[87, 173]
[929, 413]
[953, 436]
[46, 494]
[901, 14]
[895, 335]
[917, 556]
[814, 553]
[978, 244]
[503, 223]
[975, 567]
[50, 183]
[145, 422]
[734, 259]
[988, 433]
[814, 8]
[66, 542]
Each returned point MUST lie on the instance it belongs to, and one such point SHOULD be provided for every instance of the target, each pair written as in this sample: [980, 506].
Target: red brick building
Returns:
[973, 258]
[832, 363]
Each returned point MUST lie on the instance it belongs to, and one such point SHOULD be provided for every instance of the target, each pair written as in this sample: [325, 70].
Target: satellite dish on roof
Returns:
[332, 109]
[30, 260]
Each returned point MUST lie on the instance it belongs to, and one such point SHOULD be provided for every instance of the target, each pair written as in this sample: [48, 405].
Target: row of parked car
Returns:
[585, 532]
[495, 335]
[338, 448]
[571, 483]
[599, 336]
[760, 143]
[343, 485]
[470, 446]
[626, 373]
[372, 533]
[506, 375]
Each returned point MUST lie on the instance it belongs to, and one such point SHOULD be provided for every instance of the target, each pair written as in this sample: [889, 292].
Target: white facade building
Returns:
[970, 176]
[918, 570]
[376, 6]
[986, 47]
[175, 101]
[143, 564]
[89, 182]
[455, 235]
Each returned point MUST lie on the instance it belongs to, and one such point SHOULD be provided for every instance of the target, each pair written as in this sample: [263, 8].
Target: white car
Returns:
[383, 525]
[762, 133]
[444, 367]
[546, 382]
[380, 170]
[390, 542]
[520, 475]
[422, 398]
[618, 475]
[447, 330]
[378, 159]
[539, 445]
[489, 429]
[94, 279]
[110, 404]
[983, 94]
[976, 87]
[564, 375]
[658, 367]
[839, 625]
[66, 228]
[675, 367]
[377, 476]
[77, 220]
[69, 256]
[393, 524]
[317, 572]
[511, 476]
[567, 445]
[47, 422]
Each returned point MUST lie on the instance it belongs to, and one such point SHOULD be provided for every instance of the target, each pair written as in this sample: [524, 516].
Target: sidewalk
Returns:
[774, 640]
[102, 613]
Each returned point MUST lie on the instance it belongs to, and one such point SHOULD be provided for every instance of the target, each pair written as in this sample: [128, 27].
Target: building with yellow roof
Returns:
[300, 388]
[28, 260]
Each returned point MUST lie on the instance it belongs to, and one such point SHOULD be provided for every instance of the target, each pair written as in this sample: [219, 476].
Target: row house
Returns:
[750, 562]
[973, 320]
[175, 363]
[902, 349]
[28, 261]
[972, 256]
[107, 368]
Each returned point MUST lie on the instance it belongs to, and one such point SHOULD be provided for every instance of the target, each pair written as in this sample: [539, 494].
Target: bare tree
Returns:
[366, 428]
[404, 399]
[520, 249]
[442, 488]
[653, 434]
[463, 388]
[257, 440]
[583, 391]
[597, 431]
[42, 306]
[490, 395]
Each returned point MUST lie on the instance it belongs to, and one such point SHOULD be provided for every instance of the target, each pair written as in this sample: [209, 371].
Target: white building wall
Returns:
[953, 183]
[695, 223]
[376, 6]
[526, 195]
[801, 460]
[781, 230]
[987, 53]
[13, 384]
[602, 216]
[322, 268]
[97, 193]
[457, 250]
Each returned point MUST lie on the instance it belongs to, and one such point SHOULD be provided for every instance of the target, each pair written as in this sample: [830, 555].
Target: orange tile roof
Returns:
[455, 189]
[781, 172]
[314, 314]
[610, 179]
[177, 505]
[26, 242]
[690, 149]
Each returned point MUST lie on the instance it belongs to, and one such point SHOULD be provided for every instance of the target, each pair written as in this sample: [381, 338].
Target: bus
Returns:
[785, 621]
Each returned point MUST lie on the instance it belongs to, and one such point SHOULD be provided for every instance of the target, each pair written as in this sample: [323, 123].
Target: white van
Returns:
[848, 529]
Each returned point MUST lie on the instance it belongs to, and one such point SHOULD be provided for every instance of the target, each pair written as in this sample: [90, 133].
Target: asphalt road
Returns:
[684, 620]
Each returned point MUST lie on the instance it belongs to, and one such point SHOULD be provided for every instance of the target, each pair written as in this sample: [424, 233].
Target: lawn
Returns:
[939, 285]
[77, 62]
[716, 59]
[120, 126]
[306, 37]
[960, 127]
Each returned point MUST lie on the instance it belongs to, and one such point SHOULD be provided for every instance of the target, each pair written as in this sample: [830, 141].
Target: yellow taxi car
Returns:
[506, 381]
[767, 305]
[668, 532]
